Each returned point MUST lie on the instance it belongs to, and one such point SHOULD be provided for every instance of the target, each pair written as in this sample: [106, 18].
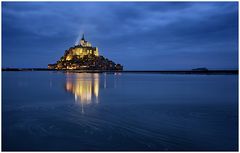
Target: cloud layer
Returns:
[139, 35]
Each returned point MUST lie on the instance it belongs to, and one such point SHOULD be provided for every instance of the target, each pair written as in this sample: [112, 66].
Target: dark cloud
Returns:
[139, 35]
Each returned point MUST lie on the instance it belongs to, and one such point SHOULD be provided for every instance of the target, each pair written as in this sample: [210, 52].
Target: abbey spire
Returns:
[84, 43]
[83, 37]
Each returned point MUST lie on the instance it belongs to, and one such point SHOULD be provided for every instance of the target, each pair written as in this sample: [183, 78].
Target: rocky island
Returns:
[84, 57]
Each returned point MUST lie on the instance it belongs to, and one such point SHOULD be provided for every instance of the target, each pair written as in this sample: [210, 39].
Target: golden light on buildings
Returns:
[84, 56]
[84, 87]
[69, 57]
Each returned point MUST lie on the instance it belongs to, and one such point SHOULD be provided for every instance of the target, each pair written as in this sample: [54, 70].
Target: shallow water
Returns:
[119, 111]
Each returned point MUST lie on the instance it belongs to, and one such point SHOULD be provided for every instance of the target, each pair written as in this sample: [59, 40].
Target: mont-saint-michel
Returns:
[146, 76]
[84, 56]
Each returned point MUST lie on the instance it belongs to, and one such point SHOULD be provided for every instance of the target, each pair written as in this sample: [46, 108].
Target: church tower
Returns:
[82, 41]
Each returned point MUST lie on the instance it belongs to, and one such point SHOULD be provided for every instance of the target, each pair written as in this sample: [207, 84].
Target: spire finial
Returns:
[83, 37]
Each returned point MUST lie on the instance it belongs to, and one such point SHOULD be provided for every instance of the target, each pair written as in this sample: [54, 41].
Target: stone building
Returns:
[84, 57]
[82, 49]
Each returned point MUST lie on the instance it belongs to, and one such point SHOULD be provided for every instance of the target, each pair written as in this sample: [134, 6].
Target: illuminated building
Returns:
[82, 49]
[84, 57]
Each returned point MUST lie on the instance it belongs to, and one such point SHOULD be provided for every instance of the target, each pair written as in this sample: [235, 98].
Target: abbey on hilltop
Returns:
[84, 57]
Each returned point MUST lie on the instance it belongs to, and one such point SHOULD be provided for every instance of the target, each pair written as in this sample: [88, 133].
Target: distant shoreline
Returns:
[130, 71]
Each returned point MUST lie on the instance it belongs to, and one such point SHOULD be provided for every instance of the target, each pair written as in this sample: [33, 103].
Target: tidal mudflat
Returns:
[118, 111]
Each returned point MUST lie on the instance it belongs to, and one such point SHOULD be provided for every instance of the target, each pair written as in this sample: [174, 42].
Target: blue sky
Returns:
[138, 35]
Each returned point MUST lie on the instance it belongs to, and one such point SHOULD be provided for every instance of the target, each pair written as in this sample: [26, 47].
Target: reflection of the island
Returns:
[84, 86]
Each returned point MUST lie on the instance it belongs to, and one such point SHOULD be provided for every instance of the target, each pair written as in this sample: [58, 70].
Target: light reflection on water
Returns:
[84, 87]
[111, 111]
